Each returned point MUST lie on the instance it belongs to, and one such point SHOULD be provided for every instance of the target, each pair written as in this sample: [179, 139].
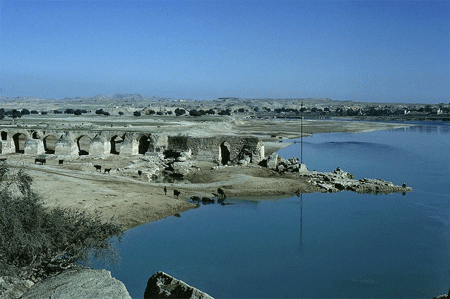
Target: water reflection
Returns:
[441, 128]
[330, 245]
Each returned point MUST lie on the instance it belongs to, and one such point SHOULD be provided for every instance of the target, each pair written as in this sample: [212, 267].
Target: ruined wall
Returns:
[34, 147]
[221, 149]
[99, 146]
[66, 146]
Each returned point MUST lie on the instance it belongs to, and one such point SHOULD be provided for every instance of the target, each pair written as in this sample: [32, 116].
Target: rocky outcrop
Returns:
[79, 283]
[340, 180]
[283, 165]
[13, 287]
[443, 296]
[162, 285]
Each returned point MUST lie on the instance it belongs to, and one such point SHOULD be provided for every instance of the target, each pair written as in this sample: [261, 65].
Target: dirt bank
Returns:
[132, 200]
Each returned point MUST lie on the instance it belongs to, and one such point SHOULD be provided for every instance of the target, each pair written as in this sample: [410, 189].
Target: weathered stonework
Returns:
[66, 145]
[34, 147]
[222, 150]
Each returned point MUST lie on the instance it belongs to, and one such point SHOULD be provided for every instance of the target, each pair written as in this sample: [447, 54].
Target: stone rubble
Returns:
[162, 285]
[335, 181]
[339, 180]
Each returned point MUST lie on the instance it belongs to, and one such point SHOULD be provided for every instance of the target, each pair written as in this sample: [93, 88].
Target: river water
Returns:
[316, 245]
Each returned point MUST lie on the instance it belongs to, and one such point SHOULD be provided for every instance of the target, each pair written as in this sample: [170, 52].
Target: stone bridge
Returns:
[221, 149]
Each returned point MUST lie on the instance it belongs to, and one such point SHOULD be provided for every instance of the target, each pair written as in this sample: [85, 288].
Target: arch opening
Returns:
[19, 142]
[83, 144]
[115, 144]
[225, 153]
[35, 135]
[144, 144]
[4, 135]
[50, 144]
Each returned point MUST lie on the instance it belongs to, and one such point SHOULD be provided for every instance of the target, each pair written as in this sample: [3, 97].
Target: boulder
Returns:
[184, 156]
[13, 287]
[272, 161]
[182, 168]
[162, 285]
[302, 168]
[79, 283]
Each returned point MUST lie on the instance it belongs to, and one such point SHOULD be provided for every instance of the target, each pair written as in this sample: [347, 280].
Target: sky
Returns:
[385, 51]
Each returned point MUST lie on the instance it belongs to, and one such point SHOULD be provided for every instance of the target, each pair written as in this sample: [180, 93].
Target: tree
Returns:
[179, 111]
[225, 112]
[194, 112]
[25, 112]
[36, 240]
[16, 114]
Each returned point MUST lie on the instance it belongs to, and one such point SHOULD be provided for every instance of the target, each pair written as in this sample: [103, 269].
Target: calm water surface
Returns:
[320, 245]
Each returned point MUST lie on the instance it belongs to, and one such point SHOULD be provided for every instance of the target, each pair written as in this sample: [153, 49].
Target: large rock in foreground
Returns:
[79, 283]
[162, 285]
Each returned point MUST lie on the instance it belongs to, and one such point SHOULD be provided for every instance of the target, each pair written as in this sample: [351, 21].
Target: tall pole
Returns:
[301, 133]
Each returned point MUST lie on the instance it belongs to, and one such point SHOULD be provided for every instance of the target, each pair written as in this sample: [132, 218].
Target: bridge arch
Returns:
[19, 139]
[224, 152]
[83, 143]
[115, 142]
[50, 143]
[144, 144]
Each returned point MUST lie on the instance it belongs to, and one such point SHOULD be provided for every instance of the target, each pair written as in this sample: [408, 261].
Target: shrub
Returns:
[225, 112]
[25, 112]
[16, 114]
[120, 113]
[137, 113]
[34, 237]
[194, 112]
[179, 111]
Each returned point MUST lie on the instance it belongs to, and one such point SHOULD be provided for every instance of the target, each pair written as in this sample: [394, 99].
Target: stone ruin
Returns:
[222, 150]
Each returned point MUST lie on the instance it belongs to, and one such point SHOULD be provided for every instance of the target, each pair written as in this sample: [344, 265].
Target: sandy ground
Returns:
[133, 200]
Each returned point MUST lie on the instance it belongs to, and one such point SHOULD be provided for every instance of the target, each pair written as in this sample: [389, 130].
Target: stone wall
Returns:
[221, 150]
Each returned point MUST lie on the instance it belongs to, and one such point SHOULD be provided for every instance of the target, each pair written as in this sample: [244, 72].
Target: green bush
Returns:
[34, 237]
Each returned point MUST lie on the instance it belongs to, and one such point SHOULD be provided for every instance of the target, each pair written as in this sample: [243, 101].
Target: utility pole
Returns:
[301, 133]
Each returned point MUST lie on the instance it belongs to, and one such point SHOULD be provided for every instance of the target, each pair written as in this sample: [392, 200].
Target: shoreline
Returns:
[134, 201]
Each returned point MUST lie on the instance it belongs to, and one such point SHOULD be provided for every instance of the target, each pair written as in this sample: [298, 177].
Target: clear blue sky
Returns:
[389, 51]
